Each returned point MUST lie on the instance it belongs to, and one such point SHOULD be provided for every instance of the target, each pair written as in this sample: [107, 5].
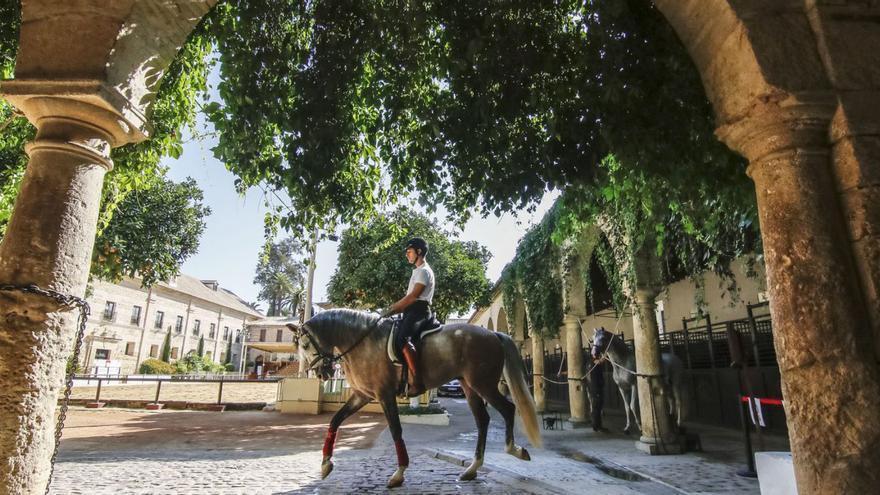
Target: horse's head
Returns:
[601, 341]
[311, 357]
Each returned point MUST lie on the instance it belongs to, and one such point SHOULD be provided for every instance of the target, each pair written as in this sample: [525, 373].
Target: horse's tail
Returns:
[515, 375]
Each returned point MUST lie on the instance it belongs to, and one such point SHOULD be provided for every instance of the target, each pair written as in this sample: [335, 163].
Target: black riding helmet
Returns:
[419, 245]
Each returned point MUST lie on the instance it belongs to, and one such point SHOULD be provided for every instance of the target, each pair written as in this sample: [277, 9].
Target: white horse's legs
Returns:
[625, 408]
[634, 405]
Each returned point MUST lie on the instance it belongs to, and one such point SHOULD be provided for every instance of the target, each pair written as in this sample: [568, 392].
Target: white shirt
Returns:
[425, 276]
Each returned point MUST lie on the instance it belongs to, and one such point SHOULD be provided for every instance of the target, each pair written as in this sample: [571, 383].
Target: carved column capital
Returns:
[792, 122]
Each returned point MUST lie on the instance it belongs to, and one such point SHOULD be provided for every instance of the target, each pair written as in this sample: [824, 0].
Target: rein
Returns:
[322, 355]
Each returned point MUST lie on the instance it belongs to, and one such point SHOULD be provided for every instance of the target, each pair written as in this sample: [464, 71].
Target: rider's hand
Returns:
[385, 313]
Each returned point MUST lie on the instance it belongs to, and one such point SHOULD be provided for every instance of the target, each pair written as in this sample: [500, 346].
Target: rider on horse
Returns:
[416, 306]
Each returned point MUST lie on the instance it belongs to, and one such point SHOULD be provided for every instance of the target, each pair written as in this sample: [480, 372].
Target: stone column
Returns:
[577, 387]
[49, 243]
[658, 433]
[855, 133]
[538, 372]
[823, 337]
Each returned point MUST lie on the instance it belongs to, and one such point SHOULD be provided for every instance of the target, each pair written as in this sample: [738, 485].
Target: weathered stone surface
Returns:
[85, 73]
[538, 373]
[577, 386]
[821, 331]
[774, 98]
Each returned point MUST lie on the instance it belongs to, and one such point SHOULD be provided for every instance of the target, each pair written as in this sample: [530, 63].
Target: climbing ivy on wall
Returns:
[534, 276]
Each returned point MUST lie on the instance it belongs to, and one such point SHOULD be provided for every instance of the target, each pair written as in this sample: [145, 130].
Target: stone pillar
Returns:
[658, 432]
[86, 74]
[839, 29]
[856, 164]
[49, 243]
[538, 372]
[577, 387]
[823, 337]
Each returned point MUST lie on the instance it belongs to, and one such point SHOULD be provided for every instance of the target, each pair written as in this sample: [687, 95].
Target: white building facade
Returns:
[128, 324]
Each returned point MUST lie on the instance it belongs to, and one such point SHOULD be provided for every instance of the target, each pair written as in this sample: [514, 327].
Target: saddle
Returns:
[423, 328]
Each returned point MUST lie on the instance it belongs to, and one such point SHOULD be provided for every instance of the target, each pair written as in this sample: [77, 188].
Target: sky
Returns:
[234, 234]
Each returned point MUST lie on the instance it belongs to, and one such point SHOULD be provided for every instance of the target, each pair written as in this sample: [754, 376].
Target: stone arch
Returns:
[798, 110]
[502, 325]
[490, 326]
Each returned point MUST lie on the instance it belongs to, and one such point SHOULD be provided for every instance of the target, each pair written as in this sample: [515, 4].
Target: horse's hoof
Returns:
[397, 478]
[326, 468]
[468, 475]
[395, 481]
[525, 455]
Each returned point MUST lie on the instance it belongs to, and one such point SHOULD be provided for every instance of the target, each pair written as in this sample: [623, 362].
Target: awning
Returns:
[279, 347]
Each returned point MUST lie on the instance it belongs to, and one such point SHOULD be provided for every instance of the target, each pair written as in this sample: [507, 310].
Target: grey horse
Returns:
[623, 360]
[474, 355]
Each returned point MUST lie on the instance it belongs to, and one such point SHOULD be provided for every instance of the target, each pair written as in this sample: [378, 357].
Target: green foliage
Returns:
[344, 105]
[429, 409]
[156, 367]
[194, 362]
[534, 276]
[281, 276]
[229, 367]
[153, 231]
[136, 166]
[166, 348]
[373, 271]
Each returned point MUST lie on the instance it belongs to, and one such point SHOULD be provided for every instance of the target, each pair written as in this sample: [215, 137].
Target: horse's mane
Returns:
[323, 323]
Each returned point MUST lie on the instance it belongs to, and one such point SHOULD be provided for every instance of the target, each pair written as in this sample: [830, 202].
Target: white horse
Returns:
[615, 350]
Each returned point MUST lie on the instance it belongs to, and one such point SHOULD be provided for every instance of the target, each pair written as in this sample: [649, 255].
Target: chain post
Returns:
[68, 301]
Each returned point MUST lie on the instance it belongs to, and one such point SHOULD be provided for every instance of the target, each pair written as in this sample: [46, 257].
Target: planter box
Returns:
[299, 396]
[441, 419]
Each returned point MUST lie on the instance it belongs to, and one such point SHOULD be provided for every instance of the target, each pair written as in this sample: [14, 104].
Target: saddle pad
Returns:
[390, 345]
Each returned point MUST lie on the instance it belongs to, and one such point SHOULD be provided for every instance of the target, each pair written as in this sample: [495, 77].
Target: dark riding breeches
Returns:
[414, 313]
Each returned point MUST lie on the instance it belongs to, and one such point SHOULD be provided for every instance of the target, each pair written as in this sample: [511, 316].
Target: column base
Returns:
[576, 423]
[653, 446]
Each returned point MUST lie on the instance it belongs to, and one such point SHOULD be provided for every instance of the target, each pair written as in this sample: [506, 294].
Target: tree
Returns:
[201, 349]
[280, 275]
[166, 348]
[152, 233]
[228, 358]
[373, 271]
[471, 104]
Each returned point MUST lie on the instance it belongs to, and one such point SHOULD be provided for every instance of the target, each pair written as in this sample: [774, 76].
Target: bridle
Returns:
[331, 358]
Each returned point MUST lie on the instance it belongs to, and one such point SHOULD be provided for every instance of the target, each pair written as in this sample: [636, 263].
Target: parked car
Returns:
[451, 389]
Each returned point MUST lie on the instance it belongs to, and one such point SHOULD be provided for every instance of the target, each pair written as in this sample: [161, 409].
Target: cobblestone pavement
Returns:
[123, 451]
[192, 392]
[228, 472]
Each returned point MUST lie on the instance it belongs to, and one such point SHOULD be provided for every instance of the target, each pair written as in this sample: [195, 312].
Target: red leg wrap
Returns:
[329, 442]
[402, 456]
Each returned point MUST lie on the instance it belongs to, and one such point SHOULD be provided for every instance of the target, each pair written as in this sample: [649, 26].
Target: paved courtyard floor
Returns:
[118, 451]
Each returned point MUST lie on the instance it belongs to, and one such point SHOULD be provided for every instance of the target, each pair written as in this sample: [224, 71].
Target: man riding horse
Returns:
[416, 306]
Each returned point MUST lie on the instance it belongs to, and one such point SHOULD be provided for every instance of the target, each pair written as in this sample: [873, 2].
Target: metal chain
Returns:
[69, 301]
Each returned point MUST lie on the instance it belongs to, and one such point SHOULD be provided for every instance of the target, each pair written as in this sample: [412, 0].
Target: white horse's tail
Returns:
[515, 375]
